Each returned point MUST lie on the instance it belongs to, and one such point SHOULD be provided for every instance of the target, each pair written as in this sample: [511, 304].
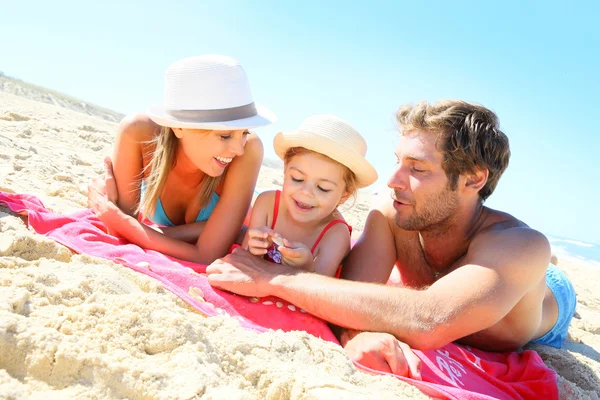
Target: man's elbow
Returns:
[426, 340]
[428, 334]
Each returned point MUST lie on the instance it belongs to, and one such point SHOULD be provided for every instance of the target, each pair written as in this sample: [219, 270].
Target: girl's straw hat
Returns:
[209, 92]
[333, 137]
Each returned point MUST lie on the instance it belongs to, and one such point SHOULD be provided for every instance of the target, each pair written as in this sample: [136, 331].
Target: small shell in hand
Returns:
[277, 240]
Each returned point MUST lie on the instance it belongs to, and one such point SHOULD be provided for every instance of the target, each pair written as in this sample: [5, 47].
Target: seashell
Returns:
[277, 240]
[267, 303]
[254, 299]
[279, 304]
[144, 264]
[292, 307]
[196, 293]
[220, 311]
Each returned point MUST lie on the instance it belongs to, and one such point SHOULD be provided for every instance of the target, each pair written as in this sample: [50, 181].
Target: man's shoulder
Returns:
[499, 225]
[508, 236]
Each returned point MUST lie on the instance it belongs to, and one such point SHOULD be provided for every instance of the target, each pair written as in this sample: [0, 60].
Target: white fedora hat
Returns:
[209, 92]
[333, 137]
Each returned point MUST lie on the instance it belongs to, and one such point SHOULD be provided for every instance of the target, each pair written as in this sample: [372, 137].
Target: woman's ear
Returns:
[178, 132]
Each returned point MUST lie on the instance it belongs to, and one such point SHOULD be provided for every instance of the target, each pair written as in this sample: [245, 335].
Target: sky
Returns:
[535, 63]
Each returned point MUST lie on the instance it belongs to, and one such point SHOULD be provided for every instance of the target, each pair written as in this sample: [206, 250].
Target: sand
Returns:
[73, 326]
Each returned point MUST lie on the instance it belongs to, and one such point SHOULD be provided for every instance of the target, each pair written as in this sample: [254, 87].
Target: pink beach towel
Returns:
[452, 372]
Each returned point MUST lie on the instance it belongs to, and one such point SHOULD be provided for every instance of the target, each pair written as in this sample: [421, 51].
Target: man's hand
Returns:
[242, 273]
[383, 352]
[296, 254]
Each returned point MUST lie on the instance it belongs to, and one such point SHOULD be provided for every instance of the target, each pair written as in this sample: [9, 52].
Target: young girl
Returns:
[189, 165]
[324, 165]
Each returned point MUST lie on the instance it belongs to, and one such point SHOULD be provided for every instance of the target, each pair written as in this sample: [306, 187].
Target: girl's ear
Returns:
[345, 197]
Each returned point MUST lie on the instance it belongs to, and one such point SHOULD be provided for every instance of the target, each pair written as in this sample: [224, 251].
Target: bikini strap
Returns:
[275, 208]
[329, 225]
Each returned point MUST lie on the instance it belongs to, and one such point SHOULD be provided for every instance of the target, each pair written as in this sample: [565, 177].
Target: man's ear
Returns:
[178, 132]
[476, 181]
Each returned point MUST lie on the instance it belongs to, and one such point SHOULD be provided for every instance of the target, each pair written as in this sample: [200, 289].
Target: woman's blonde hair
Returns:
[349, 177]
[165, 146]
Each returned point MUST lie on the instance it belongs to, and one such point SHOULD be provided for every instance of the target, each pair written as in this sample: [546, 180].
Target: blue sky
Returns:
[535, 63]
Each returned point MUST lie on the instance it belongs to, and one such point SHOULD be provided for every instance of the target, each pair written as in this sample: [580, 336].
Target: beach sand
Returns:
[72, 326]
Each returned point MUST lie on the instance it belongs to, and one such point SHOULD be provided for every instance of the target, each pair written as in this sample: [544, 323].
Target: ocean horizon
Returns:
[585, 251]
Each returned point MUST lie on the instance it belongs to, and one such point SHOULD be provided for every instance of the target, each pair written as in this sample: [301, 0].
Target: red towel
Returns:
[452, 372]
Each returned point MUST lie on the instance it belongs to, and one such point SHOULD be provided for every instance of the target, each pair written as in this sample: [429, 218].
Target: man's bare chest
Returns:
[414, 270]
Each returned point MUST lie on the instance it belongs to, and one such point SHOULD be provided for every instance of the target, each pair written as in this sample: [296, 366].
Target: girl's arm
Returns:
[259, 219]
[333, 247]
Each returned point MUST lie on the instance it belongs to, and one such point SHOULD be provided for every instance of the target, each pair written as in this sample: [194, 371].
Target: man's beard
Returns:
[436, 213]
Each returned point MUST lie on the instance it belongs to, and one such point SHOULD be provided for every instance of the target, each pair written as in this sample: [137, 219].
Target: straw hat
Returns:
[209, 92]
[333, 137]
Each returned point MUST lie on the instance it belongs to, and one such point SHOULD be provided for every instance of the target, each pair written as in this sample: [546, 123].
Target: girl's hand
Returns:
[259, 240]
[296, 254]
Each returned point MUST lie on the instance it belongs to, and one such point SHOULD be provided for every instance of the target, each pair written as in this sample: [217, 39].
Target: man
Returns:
[469, 273]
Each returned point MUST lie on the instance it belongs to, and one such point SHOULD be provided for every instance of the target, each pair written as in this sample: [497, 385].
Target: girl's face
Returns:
[210, 151]
[313, 187]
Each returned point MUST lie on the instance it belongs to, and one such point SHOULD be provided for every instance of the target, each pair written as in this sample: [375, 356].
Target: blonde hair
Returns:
[349, 177]
[163, 161]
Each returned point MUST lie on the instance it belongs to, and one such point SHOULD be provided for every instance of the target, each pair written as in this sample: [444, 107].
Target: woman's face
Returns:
[210, 151]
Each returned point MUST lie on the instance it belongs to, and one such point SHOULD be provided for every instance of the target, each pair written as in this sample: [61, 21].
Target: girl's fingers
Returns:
[259, 243]
[257, 251]
[290, 253]
[258, 233]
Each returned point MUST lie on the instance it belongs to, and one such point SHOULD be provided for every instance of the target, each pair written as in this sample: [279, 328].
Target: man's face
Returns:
[421, 191]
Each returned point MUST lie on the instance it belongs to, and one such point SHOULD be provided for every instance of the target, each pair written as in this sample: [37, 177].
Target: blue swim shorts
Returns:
[564, 292]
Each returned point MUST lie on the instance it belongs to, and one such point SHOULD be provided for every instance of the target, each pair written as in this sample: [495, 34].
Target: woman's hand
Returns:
[103, 195]
[383, 352]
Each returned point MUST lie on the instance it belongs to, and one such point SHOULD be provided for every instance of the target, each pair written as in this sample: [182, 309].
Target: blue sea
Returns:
[575, 248]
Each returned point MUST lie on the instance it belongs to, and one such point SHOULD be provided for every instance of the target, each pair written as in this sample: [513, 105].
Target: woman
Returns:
[189, 165]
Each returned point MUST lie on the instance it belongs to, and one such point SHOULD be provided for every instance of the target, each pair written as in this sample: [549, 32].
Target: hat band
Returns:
[224, 114]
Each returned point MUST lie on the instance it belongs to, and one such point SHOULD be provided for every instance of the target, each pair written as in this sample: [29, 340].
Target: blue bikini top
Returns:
[160, 217]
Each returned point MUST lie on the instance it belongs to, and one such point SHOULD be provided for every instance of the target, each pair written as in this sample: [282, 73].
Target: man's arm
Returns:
[503, 265]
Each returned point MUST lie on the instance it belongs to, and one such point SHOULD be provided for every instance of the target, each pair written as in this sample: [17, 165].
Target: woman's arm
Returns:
[188, 233]
[130, 228]
[219, 232]
[225, 222]
[133, 136]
